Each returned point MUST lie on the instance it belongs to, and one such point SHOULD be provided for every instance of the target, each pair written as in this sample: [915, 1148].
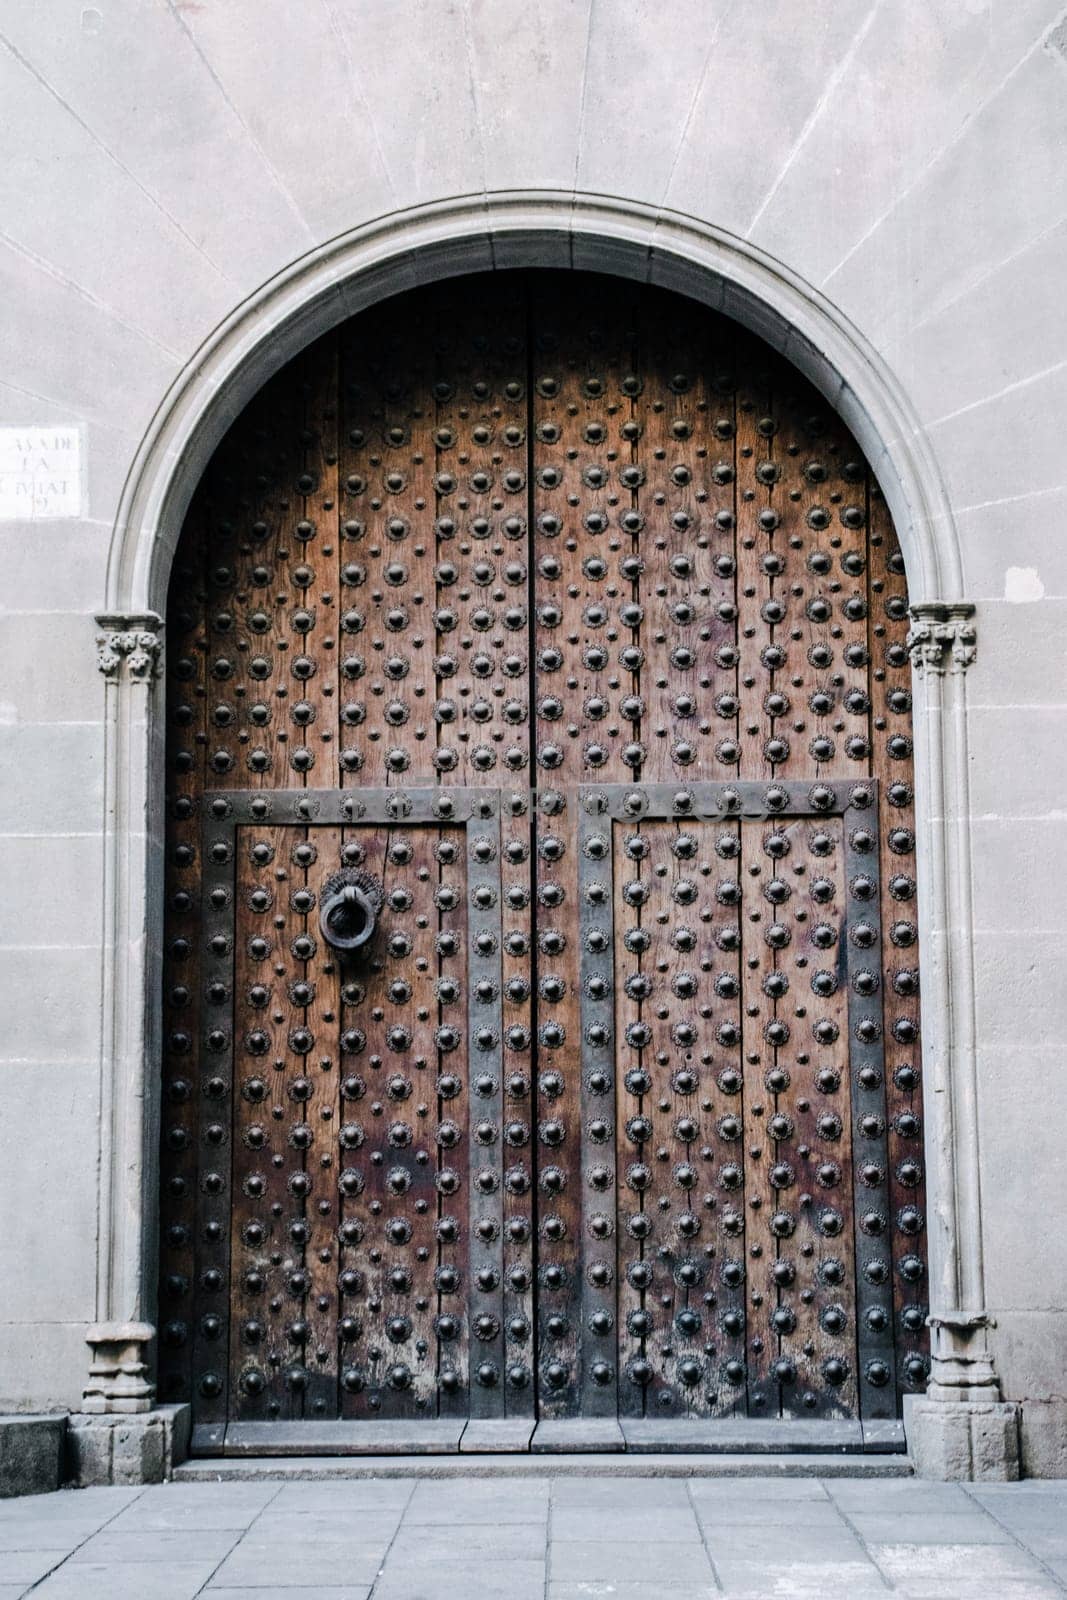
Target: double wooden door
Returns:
[541, 975]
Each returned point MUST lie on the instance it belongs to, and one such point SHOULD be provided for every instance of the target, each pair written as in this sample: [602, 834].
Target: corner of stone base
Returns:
[31, 1453]
[114, 1449]
[963, 1441]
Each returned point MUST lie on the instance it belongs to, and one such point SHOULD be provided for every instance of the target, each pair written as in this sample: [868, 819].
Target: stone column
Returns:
[119, 1436]
[960, 1428]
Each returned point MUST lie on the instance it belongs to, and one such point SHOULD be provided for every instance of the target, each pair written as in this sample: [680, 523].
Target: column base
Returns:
[963, 1441]
[110, 1448]
[118, 1374]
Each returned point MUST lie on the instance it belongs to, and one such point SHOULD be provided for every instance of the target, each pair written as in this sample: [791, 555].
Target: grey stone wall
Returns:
[163, 161]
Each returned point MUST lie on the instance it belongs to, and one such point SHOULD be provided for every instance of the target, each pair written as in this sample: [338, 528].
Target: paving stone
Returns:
[489, 1580]
[621, 1493]
[300, 1565]
[28, 1566]
[637, 1522]
[132, 1580]
[764, 1512]
[472, 1541]
[940, 1527]
[358, 1494]
[581, 1560]
[777, 1489]
[760, 1580]
[354, 1591]
[366, 1526]
[80, 1504]
[195, 1544]
[195, 1505]
[612, 1589]
[1047, 1547]
[479, 1500]
[936, 1570]
[42, 1533]
[774, 1544]
[901, 1495]
[485, 1539]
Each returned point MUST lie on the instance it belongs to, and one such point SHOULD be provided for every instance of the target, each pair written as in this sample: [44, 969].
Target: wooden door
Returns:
[590, 558]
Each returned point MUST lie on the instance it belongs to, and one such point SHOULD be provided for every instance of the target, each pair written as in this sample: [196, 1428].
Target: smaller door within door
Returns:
[730, 977]
[355, 946]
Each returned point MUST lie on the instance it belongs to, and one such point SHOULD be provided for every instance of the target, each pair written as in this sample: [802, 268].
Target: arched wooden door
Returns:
[543, 636]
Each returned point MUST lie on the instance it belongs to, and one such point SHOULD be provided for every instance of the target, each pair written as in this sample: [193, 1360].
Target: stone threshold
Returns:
[576, 1465]
[521, 1435]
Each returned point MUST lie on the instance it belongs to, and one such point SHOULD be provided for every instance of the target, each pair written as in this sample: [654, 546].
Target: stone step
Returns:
[794, 1465]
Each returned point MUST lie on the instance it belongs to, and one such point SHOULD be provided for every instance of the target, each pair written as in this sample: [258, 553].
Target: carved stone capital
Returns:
[133, 641]
[942, 638]
[118, 1374]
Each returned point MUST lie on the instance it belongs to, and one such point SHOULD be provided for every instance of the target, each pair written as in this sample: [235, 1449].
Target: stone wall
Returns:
[164, 162]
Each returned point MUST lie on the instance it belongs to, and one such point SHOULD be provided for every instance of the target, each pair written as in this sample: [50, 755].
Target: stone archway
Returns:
[439, 241]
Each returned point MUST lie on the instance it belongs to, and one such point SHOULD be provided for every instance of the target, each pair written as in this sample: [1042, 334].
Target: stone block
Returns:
[108, 76]
[877, 283]
[1020, 876]
[1020, 648]
[34, 798]
[869, 147]
[997, 536]
[62, 1026]
[61, 344]
[330, 180]
[532, 62]
[643, 56]
[31, 1453]
[962, 1442]
[1027, 414]
[53, 891]
[752, 105]
[1043, 1438]
[42, 1363]
[113, 229]
[137, 1449]
[50, 671]
[985, 340]
[48, 1167]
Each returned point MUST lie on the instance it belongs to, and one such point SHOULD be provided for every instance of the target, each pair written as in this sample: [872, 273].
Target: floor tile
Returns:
[130, 1580]
[499, 1580]
[28, 1566]
[472, 1500]
[581, 1560]
[38, 1533]
[195, 1505]
[523, 1541]
[673, 1523]
[942, 1527]
[922, 1567]
[802, 1545]
[168, 1545]
[759, 1580]
[354, 1591]
[307, 1566]
[81, 1504]
[619, 1589]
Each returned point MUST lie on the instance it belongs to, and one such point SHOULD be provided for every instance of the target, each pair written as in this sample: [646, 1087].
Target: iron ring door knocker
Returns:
[348, 909]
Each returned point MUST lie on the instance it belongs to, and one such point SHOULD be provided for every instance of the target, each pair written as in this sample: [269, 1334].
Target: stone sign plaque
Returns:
[40, 474]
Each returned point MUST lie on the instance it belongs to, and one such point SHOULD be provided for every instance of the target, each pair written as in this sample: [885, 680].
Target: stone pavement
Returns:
[539, 1538]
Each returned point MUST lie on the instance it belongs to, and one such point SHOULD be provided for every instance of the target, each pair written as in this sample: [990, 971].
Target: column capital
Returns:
[942, 636]
[133, 640]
